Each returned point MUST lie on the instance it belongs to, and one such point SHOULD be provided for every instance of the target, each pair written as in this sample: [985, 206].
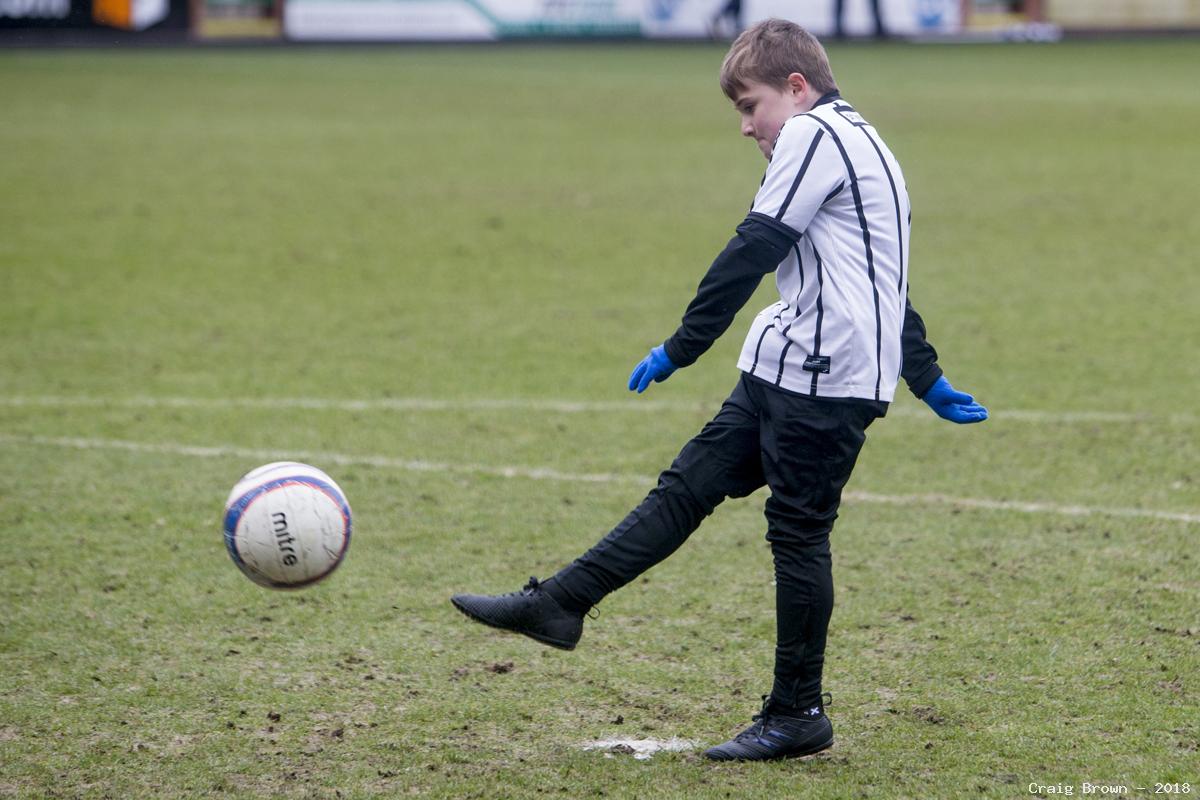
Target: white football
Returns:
[287, 525]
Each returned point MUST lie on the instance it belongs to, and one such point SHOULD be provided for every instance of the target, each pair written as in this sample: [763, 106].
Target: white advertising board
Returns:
[459, 19]
[692, 18]
[385, 20]
[515, 19]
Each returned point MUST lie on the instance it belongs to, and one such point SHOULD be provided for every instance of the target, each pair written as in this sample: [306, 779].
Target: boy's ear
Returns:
[797, 83]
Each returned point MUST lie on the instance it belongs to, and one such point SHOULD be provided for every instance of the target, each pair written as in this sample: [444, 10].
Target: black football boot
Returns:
[778, 733]
[531, 611]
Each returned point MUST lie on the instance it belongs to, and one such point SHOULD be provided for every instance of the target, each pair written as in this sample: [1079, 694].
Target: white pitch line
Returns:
[540, 405]
[380, 404]
[316, 456]
[1025, 507]
[540, 474]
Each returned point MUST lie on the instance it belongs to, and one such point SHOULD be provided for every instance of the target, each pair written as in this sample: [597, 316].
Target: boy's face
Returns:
[765, 108]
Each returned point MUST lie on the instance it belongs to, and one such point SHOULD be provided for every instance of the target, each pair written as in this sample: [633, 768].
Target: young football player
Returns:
[831, 221]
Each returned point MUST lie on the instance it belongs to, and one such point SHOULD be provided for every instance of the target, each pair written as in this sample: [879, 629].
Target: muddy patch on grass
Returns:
[641, 749]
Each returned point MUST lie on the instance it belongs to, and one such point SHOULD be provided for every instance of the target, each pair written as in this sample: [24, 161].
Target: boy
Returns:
[831, 220]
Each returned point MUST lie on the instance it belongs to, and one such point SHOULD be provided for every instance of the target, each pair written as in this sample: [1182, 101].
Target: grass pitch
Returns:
[196, 247]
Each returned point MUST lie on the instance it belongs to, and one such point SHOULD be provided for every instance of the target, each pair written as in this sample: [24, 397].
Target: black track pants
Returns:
[802, 448]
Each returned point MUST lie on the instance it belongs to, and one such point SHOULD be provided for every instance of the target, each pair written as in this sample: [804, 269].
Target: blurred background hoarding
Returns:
[695, 19]
[1125, 14]
[85, 15]
[670, 19]
[488, 20]
[461, 19]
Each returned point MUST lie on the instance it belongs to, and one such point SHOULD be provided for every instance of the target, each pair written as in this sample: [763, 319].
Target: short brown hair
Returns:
[770, 51]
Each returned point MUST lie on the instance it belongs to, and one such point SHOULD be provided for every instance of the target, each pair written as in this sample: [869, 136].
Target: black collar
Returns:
[828, 97]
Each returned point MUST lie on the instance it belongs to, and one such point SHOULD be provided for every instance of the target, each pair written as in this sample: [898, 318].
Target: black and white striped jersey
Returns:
[835, 188]
[831, 220]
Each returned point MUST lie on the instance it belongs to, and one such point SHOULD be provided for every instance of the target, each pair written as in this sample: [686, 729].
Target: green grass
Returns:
[522, 223]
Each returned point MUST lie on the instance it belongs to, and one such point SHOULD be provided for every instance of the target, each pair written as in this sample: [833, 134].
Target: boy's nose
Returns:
[747, 128]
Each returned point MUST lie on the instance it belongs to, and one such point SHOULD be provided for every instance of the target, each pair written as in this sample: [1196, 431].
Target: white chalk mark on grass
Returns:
[538, 405]
[641, 749]
[321, 458]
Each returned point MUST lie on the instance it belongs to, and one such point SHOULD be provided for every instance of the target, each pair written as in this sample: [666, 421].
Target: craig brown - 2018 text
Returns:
[1086, 788]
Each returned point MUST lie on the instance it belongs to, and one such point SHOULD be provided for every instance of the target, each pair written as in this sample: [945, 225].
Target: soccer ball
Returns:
[287, 525]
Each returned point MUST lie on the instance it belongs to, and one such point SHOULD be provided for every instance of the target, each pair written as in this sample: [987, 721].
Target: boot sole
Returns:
[539, 637]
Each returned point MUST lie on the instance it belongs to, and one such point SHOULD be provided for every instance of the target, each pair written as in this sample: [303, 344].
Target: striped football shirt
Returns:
[838, 192]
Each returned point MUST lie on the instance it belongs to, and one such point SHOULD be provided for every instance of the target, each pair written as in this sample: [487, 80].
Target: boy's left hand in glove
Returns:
[949, 403]
[656, 367]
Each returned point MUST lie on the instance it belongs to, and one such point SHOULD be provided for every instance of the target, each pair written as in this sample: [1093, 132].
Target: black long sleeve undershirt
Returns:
[756, 249]
[919, 368]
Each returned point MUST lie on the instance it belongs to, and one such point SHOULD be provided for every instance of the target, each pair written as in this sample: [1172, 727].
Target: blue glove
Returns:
[949, 403]
[655, 367]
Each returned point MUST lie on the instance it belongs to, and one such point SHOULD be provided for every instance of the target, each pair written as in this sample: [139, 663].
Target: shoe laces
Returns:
[528, 590]
[765, 710]
[759, 722]
[535, 586]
